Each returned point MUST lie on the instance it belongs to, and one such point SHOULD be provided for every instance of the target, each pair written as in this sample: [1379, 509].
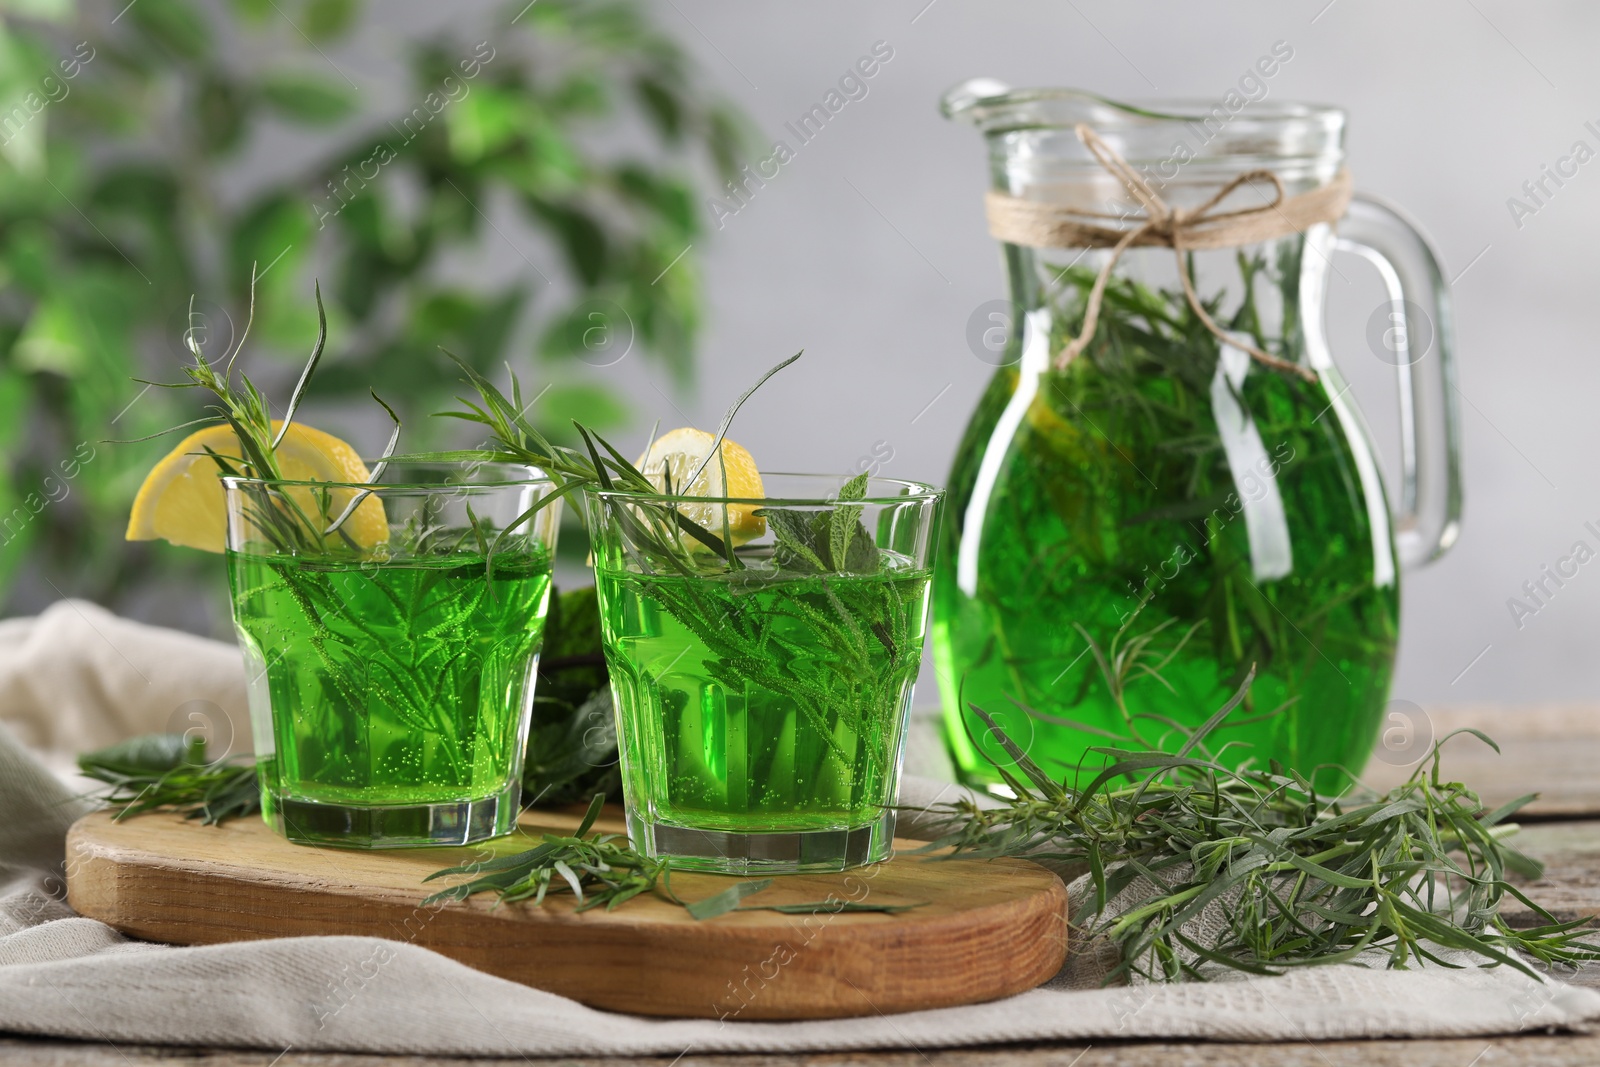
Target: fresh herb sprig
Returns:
[170, 771]
[277, 515]
[603, 871]
[1297, 879]
[659, 535]
[596, 869]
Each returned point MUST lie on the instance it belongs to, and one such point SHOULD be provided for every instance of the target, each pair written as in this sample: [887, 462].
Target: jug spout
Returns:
[959, 100]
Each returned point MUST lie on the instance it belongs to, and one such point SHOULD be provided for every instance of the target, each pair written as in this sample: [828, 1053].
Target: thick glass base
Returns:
[763, 852]
[459, 822]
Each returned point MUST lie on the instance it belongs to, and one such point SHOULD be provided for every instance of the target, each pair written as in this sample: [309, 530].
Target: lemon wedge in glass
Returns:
[182, 499]
[675, 456]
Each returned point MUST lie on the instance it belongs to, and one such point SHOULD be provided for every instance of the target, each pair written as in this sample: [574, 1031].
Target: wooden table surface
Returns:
[1554, 751]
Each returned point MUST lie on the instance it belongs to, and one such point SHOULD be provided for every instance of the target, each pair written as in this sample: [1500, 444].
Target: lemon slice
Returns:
[675, 456]
[182, 499]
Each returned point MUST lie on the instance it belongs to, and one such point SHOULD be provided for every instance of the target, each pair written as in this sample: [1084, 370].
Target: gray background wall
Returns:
[869, 251]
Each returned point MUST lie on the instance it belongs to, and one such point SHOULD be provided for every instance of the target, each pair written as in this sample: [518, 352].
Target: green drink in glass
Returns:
[762, 690]
[391, 662]
[1166, 488]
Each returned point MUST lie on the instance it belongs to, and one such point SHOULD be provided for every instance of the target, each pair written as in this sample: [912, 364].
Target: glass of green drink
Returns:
[762, 653]
[390, 635]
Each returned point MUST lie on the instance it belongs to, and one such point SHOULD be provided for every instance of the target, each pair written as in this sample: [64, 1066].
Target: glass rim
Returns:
[538, 477]
[920, 491]
[994, 107]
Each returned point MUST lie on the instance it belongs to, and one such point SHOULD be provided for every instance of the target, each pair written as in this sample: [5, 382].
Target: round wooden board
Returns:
[985, 929]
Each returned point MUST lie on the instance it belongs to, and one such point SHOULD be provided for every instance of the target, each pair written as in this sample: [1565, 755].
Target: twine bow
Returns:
[1047, 225]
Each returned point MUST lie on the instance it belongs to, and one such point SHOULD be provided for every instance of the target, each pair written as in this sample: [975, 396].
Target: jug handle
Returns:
[1417, 314]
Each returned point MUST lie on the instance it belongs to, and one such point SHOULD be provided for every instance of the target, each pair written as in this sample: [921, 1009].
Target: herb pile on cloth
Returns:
[1192, 869]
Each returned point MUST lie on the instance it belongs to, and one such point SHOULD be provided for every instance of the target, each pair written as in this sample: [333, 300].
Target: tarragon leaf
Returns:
[146, 754]
[170, 772]
[727, 900]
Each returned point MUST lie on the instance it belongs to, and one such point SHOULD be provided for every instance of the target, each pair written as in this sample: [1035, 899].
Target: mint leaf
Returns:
[828, 541]
[845, 522]
[795, 547]
[863, 555]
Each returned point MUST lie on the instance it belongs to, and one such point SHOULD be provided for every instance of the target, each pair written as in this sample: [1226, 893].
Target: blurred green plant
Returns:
[151, 151]
[572, 741]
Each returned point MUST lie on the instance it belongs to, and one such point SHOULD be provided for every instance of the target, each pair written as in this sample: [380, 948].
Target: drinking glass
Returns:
[391, 634]
[762, 687]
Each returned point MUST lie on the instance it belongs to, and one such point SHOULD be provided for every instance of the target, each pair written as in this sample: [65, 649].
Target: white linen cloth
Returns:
[77, 677]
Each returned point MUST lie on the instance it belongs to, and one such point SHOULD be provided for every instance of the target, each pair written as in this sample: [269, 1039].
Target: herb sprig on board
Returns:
[603, 871]
[170, 771]
[1281, 876]
[612, 873]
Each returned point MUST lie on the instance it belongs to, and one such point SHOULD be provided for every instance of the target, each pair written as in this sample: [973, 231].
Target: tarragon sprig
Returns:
[170, 771]
[596, 869]
[1297, 878]
[604, 871]
[655, 532]
[243, 408]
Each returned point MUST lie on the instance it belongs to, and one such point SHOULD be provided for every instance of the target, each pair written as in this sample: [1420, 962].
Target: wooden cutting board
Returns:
[985, 929]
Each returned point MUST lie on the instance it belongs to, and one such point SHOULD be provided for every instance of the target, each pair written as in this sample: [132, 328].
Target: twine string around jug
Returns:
[1040, 224]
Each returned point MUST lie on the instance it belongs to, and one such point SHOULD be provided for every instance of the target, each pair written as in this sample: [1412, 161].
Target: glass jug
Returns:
[1143, 512]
